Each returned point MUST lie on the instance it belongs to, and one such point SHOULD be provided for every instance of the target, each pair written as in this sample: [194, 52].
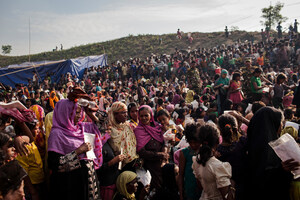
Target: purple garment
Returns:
[170, 108]
[176, 99]
[66, 137]
[144, 133]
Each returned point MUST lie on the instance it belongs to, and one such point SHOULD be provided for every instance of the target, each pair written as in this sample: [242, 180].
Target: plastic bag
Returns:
[144, 176]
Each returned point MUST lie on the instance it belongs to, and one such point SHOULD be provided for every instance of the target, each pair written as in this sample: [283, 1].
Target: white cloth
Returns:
[214, 175]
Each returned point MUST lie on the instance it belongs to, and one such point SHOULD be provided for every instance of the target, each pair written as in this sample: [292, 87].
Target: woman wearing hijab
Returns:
[150, 144]
[122, 138]
[52, 101]
[221, 85]
[127, 185]
[176, 99]
[267, 178]
[73, 171]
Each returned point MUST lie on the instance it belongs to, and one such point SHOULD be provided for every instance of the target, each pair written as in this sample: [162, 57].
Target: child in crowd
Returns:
[187, 182]
[212, 174]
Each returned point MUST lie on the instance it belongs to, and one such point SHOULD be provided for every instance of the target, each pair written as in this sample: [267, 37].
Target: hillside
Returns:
[136, 46]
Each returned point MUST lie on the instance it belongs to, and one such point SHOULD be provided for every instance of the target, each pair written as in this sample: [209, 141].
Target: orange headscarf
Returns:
[51, 100]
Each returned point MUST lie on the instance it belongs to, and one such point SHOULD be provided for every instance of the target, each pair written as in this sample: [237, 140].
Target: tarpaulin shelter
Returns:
[14, 74]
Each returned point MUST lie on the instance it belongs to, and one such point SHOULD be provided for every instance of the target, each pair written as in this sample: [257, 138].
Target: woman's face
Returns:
[164, 120]
[134, 113]
[121, 116]
[132, 186]
[35, 131]
[77, 115]
[224, 75]
[240, 109]
[9, 149]
[145, 116]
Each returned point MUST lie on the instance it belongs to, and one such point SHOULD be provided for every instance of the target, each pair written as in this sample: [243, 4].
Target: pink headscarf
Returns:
[144, 133]
[66, 137]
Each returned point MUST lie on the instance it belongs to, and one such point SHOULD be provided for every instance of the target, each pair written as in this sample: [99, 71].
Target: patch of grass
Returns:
[136, 46]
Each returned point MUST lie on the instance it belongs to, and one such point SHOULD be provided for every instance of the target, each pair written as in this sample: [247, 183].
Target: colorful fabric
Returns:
[176, 99]
[117, 107]
[189, 96]
[122, 136]
[32, 164]
[235, 97]
[25, 115]
[40, 138]
[107, 192]
[170, 108]
[144, 133]
[52, 100]
[224, 81]
[190, 182]
[65, 136]
[122, 180]
[290, 130]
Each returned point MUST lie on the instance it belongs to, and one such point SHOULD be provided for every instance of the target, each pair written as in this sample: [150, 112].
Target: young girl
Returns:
[133, 116]
[233, 150]
[235, 94]
[163, 117]
[212, 175]
[187, 182]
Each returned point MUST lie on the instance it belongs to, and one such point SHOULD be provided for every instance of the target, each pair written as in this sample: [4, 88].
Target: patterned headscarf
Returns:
[122, 180]
[116, 107]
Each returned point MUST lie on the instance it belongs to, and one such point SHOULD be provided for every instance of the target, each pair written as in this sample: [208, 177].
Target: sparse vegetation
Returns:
[136, 46]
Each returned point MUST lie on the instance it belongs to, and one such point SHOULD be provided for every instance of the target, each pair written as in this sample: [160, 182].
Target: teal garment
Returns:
[190, 184]
[224, 81]
[220, 60]
[98, 88]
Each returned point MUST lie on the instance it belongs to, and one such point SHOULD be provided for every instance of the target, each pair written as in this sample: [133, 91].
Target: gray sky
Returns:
[73, 22]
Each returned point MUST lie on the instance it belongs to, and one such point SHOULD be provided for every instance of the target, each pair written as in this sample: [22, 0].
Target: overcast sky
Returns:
[73, 22]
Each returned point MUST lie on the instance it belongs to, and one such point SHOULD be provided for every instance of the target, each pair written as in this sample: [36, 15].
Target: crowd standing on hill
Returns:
[191, 125]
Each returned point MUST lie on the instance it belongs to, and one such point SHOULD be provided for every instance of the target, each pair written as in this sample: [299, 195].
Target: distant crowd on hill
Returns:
[189, 125]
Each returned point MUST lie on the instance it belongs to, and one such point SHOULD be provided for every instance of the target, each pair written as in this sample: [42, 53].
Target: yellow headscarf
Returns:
[189, 96]
[124, 178]
[290, 130]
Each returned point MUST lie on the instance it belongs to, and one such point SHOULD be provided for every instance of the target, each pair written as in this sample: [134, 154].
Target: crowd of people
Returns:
[191, 125]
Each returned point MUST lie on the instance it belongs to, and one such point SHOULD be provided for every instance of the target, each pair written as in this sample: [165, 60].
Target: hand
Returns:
[91, 114]
[290, 165]
[145, 190]
[217, 154]
[20, 145]
[163, 155]
[85, 147]
[119, 158]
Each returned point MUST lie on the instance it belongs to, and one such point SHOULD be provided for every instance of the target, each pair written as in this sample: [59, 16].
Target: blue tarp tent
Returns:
[14, 74]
